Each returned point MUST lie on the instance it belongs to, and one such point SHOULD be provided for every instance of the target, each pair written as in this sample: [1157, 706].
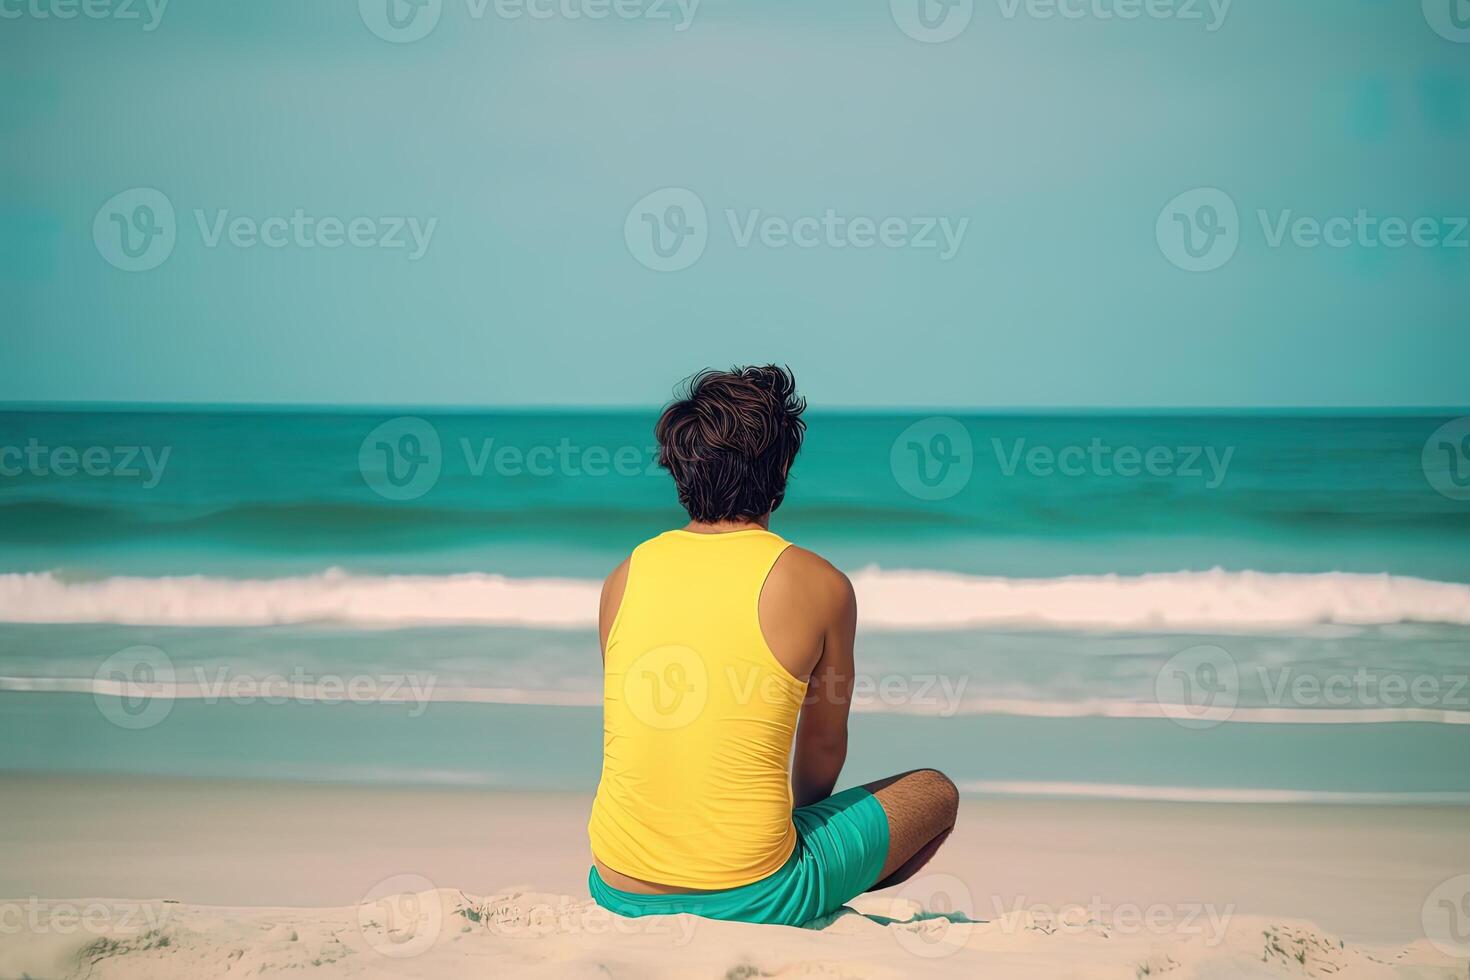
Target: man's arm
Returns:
[611, 599]
[821, 734]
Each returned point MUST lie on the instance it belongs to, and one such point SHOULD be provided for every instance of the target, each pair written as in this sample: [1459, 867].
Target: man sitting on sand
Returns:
[716, 637]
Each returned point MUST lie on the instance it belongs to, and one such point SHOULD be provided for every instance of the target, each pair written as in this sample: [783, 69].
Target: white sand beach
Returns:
[232, 879]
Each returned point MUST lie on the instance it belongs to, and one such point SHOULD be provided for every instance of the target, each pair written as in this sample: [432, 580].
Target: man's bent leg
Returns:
[921, 807]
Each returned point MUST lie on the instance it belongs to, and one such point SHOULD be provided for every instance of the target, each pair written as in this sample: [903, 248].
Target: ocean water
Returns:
[1203, 607]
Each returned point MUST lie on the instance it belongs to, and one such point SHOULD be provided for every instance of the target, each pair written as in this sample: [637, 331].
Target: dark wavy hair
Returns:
[729, 441]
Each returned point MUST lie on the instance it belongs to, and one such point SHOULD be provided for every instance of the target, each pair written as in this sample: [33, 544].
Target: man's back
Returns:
[700, 711]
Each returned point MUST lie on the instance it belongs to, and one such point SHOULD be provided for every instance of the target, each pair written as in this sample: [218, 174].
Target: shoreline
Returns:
[555, 749]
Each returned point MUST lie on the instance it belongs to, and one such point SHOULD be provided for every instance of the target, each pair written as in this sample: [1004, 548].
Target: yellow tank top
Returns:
[698, 718]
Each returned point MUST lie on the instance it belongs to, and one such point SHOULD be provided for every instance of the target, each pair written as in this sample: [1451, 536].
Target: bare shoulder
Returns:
[617, 578]
[813, 580]
[613, 588]
[804, 602]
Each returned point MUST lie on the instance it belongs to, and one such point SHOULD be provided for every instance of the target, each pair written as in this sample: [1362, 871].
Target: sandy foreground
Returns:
[245, 879]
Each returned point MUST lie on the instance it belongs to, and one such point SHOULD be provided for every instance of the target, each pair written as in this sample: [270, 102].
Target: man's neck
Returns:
[762, 523]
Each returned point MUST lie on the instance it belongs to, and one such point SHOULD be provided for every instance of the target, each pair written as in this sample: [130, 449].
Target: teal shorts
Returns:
[841, 844]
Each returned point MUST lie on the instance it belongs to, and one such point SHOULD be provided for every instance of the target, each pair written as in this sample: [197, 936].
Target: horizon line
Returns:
[364, 408]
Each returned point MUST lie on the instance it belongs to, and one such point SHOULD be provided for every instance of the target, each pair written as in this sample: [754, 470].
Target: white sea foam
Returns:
[1172, 601]
[891, 600]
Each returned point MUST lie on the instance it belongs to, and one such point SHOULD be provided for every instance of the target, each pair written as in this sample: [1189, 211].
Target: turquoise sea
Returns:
[1218, 607]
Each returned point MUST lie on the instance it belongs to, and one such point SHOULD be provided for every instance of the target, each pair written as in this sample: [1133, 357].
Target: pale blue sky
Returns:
[529, 141]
